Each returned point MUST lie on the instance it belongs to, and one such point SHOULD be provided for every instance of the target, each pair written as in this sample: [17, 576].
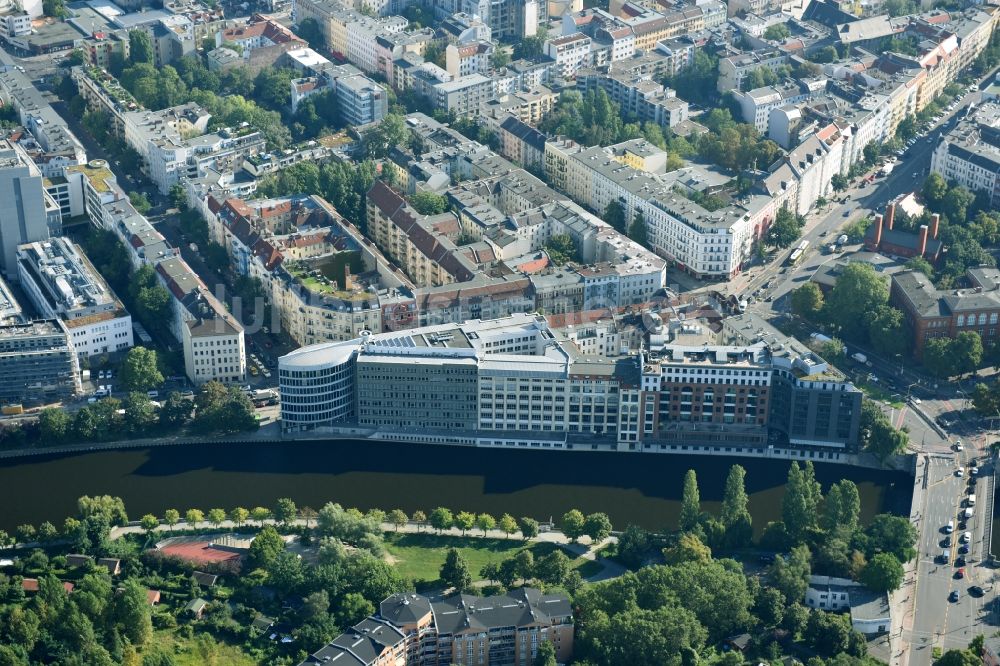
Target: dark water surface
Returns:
[632, 488]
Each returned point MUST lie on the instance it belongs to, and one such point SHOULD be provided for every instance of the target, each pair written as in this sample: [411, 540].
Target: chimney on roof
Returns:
[935, 221]
[890, 213]
[923, 239]
[878, 231]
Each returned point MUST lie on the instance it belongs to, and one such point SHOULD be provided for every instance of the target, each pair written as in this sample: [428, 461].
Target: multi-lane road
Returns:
[929, 618]
[932, 617]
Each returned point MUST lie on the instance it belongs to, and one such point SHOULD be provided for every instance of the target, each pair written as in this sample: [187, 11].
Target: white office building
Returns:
[62, 284]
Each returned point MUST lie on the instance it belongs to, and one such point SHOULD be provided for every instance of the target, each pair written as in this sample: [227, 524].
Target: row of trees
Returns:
[217, 409]
[817, 528]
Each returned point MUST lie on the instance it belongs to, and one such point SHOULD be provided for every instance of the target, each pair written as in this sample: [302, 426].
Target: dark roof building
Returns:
[935, 313]
[411, 629]
[882, 237]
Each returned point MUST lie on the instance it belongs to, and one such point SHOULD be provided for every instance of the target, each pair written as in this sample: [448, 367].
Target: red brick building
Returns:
[882, 237]
[937, 313]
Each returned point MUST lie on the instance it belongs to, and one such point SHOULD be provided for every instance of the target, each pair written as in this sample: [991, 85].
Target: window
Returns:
[961, 320]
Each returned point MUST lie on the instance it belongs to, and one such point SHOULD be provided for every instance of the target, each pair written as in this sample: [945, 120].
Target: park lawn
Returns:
[420, 556]
[209, 651]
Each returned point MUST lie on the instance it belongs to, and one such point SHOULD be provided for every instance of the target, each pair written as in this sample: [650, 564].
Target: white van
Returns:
[950, 527]
[971, 501]
[968, 513]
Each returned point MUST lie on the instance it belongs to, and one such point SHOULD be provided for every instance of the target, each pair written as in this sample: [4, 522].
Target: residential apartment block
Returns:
[211, 338]
[174, 145]
[704, 243]
[969, 154]
[62, 284]
[412, 630]
[637, 96]
[262, 41]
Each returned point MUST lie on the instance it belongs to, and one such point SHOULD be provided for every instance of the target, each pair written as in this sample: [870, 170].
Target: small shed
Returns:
[196, 607]
[738, 642]
[152, 597]
[262, 623]
[112, 564]
[206, 579]
[31, 585]
[74, 561]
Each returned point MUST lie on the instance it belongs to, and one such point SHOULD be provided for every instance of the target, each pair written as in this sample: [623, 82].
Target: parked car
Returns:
[954, 596]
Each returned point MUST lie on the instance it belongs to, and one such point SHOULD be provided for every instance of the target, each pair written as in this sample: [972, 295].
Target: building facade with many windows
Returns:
[515, 381]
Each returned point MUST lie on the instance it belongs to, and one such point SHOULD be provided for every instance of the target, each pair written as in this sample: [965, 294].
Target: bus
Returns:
[797, 253]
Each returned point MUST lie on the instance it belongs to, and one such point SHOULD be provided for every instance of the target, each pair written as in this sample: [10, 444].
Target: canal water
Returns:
[632, 488]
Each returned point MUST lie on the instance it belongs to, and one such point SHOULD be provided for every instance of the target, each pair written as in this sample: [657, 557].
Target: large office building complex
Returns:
[517, 382]
[62, 284]
[28, 213]
[37, 360]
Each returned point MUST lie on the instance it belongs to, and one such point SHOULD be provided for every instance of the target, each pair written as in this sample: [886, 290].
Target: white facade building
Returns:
[62, 284]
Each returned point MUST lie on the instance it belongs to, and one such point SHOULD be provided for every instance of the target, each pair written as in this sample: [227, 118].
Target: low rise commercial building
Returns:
[870, 611]
[62, 284]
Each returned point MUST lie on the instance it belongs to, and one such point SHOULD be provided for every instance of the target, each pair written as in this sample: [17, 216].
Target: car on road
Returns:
[947, 542]
[960, 574]
[976, 591]
[966, 537]
[915, 400]
[973, 471]
[254, 372]
[963, 549]
[847, 213]
[950, 527]
[958, 445]
[959, 472]
[954, 596]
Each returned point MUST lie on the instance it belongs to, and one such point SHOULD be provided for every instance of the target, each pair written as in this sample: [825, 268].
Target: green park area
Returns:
[419, 556]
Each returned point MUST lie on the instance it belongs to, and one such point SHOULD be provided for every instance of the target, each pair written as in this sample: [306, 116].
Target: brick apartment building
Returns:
[936, 313]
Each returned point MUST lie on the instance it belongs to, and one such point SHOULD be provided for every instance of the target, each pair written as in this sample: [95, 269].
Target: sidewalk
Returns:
[903, 600]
